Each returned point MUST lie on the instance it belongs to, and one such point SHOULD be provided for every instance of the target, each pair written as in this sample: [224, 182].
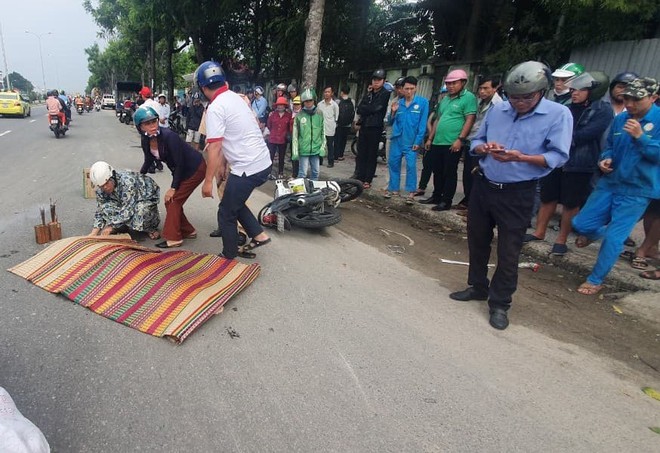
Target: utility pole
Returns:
[4, 57]
[41, 55]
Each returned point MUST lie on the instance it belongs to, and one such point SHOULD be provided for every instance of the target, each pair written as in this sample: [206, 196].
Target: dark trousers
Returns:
[280, 150]
[295, 164]
[444, 164]
[330, 145]
[469, 162]
[367, 153]
[425, 176]
[232, 210]
[510, 210]
[341, 135]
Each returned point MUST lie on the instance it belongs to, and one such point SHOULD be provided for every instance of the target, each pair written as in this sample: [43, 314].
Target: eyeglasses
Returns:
[522, 97]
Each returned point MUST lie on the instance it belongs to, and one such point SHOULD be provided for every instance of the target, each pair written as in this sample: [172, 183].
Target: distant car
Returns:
[108, 101]
[12, 103]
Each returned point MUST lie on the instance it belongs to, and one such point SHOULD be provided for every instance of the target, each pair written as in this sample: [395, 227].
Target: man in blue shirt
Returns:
[408, 118]
[260, 105]
[631, 179]
[518, 142]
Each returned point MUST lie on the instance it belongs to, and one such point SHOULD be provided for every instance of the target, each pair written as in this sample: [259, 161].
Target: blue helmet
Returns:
[209, 72]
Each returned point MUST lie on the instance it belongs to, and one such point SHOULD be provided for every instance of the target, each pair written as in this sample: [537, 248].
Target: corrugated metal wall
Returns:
[642, 57]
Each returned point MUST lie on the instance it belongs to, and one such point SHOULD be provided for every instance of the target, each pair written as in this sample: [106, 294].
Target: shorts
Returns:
[192, 136]
[571, 190]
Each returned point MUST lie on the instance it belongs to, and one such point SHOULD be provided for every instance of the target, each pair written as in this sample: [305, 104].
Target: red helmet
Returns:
[281, 101]
[145, 92]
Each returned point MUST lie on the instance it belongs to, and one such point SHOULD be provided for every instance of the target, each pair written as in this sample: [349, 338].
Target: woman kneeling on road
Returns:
[188, 169]
[126, 201]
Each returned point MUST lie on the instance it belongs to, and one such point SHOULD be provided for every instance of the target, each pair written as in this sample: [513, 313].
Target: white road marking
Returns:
[4, 133]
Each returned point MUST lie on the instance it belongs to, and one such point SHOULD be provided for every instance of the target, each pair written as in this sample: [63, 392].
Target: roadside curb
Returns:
[577, 261]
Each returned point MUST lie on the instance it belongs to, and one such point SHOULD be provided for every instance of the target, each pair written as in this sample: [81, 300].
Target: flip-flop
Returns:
[639, 262]
[651, 275]
[165, 245]
[589, 289]
[530, 238]
[559, 249]
[627, 255]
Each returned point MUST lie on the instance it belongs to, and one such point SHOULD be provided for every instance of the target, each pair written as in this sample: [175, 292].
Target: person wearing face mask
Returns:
[560, 92]
[279, 125]
[188, 169]
[308, 141]
[296, 107]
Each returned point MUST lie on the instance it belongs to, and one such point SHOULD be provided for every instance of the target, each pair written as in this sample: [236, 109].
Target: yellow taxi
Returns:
[12, 103]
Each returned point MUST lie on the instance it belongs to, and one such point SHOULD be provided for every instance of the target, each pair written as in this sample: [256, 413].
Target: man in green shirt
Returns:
[455, 117]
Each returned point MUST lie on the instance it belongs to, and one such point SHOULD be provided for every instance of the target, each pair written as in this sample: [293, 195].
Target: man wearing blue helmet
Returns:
[238, 153]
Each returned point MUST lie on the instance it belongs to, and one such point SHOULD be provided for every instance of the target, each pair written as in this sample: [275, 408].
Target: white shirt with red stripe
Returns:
[229, 119]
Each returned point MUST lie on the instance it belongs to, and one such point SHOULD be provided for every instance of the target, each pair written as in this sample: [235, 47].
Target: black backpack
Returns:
[346, 112]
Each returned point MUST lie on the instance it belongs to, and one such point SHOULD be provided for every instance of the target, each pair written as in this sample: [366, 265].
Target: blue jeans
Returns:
[233, 209]
[305, 163]
[397, 152]
[611, 217]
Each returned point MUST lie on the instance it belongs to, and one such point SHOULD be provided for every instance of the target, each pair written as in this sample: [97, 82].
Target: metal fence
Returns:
[613, 57]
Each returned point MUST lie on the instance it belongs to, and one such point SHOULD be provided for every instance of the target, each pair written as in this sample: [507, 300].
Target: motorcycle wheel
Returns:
[350, 189]
[305, 217]
[57, 134]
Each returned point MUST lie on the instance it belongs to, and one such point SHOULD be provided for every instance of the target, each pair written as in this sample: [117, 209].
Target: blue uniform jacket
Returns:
[635, 162]
[409, 123]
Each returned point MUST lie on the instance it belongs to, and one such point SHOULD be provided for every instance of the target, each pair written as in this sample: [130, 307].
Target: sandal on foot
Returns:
[639, 262]
[419, 193]
[247, 254]
[589, 289]
[366, 185]
[254, 244]
[168, 244]
[559, 249]
[410, 200]
[387, 194]
[154, 235]
[627, 255]
[191, 236]
[530, 238]
[582, 241]
[651, 275]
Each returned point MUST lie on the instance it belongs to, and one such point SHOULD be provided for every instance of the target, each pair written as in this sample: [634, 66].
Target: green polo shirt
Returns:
[452, 113]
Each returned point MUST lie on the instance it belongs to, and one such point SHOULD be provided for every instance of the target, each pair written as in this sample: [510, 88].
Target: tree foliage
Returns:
[259, 40]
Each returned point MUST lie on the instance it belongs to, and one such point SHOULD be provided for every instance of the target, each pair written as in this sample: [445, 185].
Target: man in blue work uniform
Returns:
[518, 142]
[631, 179]
[408, 118]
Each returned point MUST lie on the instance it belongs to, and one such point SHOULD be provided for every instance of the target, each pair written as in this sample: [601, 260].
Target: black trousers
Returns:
[469, 162]
[341, 135]
[280, 150]
[510, 210]
[444, 164]
[330, 146]
[425, 177]
[232, 209]
[367, 153]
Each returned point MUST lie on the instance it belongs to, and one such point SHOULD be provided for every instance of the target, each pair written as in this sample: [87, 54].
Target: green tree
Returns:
[18, 82]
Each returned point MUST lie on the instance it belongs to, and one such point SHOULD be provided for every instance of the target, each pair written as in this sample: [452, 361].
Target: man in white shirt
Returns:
[330, 110]
[238, 153]
[163, 111]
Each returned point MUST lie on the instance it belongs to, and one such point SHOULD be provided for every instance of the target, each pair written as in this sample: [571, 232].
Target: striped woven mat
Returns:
[160, 293]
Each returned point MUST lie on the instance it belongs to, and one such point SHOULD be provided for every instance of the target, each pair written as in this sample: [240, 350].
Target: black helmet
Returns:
[623, 77]
[378, 74]
[399, 82]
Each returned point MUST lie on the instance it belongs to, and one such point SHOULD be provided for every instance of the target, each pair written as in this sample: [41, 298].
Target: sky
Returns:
[65, 62]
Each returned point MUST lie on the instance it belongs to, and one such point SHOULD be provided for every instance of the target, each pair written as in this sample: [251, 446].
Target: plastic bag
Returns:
[17, 433]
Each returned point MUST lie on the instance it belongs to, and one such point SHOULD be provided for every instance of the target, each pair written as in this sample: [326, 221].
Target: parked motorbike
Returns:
[176, 123]
[308, 204]
[381, 145]
[56, 126]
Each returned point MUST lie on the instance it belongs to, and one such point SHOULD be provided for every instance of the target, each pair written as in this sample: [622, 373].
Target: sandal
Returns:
[419, 193]
[530, 238]
[582, 241]
[246, 252]
[589, 289]
[366, 185]
[639, 262]
[192, 235]
[154, 235]
[387, 194]
[651, 275]
[410, 200]
[168, 244]
[627, 255]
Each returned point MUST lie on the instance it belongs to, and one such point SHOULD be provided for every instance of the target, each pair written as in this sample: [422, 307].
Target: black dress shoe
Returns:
[470, 293]
[216, 233]
[442, 206]
[499, 318]
[429, 201]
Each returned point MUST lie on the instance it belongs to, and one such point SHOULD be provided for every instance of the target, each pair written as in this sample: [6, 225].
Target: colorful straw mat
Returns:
[166, 294]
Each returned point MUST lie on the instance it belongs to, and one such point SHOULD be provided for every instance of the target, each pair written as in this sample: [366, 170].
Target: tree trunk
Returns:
[313, 29]
[472, 32]
[168, 69]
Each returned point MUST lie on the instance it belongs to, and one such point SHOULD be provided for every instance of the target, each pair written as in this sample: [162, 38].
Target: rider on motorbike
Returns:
[54, 106]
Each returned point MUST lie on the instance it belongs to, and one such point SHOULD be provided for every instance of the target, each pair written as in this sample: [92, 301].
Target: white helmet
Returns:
[162, 95]
[100, 172]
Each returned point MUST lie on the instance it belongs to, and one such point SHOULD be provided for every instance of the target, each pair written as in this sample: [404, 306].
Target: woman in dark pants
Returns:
[188, 169]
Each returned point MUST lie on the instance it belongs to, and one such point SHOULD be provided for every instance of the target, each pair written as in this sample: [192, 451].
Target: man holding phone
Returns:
[518, 142]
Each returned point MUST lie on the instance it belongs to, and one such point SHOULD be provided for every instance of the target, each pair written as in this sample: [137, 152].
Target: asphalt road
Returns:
[342, 345]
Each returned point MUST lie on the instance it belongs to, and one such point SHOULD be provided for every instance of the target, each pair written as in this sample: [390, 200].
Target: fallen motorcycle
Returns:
[308, 204]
